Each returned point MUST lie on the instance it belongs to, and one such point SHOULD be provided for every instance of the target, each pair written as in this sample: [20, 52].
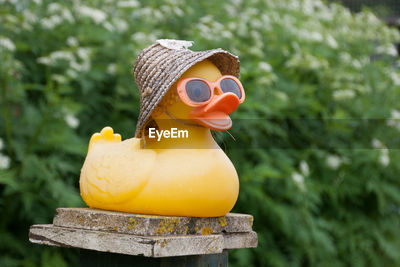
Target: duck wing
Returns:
[115, 172]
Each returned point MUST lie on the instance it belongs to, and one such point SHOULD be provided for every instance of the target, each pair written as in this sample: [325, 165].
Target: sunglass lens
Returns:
[198, 91]
[229, 85]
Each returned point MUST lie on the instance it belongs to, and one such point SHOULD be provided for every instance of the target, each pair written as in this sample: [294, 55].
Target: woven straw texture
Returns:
[159, 66]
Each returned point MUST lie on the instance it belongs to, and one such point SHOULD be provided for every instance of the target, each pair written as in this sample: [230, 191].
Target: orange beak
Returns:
[214, 115]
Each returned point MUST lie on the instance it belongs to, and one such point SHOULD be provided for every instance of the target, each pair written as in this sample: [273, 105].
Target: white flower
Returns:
[140, 37]
[1, 144]
[307, 6]
[83, 53]
[55, 56]
[72, 41]
[80, 67]
[173, 2]
[108, 26]
[345, 57]
[63, 55]
[226, 34]
[395, 114]
[179, 12]
[72, 74]
[333, 162]
[4, 162]
[112, 69]
[388, 50]
[356, 64]
[299, 60]
[61, 11]
[44, 60]
[343, 94]
[121, 25]
[281, 96]
[96, 15]
[394, 120]
[316, 36]
[376, 143]
[256, 51]
[72, 121]
[395, 78]
[298, 179]
[128, 4]
[59, 78]
[7, 43]
[305, 170]
[51, 22]
[371, 18]
[310, 36]
[29, 17]
[384, 157]
[237, 2]
[67, 15]
[14, 2]
[394, 124]
[54, 7]
[264, 66]
[83, 66]
[331, 41]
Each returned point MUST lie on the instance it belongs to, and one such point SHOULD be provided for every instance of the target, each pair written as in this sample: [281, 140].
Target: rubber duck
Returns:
[184, 176]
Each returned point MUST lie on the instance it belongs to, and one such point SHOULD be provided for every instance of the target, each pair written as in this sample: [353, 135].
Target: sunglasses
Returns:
[197, 91]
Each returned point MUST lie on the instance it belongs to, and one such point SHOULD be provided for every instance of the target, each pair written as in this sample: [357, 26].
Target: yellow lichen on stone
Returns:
[206, 231]
[251, 221]
[211, 250]
[163, 243]
[167, 225]
[222, 221]
[132, 223]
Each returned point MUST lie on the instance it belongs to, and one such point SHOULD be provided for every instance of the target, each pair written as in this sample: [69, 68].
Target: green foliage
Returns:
[65, 72]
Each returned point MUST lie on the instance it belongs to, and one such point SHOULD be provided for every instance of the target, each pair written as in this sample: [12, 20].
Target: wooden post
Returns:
[91, 258]
[108, 238]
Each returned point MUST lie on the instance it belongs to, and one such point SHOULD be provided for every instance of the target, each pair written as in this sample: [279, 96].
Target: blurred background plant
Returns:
[65, 72]
[385, 9]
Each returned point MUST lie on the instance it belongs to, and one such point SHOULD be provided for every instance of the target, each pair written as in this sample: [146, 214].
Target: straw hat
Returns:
[160, 65]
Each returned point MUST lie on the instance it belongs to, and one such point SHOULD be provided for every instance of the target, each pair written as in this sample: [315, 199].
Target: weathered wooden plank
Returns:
[48, 234]
[151, 246]
[155, 246]
[151, 225]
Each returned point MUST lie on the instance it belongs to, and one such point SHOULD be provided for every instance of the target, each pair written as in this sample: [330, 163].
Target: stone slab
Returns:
[151, 225]
[240, 240]
[150, 246]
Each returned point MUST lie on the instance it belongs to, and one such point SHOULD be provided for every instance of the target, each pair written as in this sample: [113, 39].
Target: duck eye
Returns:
[198, 91]
[230, 86]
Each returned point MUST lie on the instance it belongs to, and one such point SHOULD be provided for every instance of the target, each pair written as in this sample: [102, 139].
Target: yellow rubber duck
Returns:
[187, 176]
